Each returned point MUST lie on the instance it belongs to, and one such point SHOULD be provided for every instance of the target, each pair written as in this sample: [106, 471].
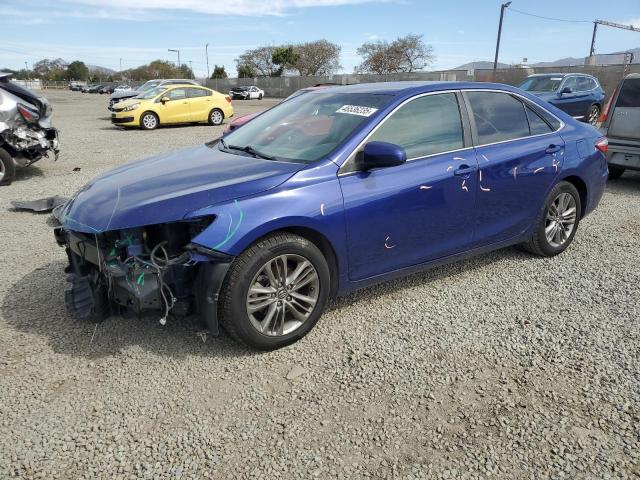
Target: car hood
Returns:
[127, 94]
[167, 187]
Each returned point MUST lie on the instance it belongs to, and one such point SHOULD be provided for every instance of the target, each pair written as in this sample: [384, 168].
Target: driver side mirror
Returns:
[165, 99]
[380, 155]
[566, 90]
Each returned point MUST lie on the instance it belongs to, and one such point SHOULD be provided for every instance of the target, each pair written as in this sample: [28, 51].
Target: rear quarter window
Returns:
[629, 94]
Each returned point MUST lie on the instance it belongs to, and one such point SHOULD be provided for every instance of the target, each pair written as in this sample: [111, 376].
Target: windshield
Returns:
[151, 93]
[305, 128]
[149, 85]
[541, 84]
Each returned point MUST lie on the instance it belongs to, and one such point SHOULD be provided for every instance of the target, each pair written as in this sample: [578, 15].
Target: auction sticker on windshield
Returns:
[357, 110]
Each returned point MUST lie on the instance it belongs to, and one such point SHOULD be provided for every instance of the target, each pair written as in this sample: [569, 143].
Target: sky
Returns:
[460, 31]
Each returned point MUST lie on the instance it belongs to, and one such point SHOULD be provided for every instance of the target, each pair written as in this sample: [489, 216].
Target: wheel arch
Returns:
[581, 186]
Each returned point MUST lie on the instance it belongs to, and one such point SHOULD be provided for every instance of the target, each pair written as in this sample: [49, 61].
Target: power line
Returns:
[550, 18]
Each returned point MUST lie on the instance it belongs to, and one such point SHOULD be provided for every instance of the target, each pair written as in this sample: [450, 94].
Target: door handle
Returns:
[553, 148]
[464, 170]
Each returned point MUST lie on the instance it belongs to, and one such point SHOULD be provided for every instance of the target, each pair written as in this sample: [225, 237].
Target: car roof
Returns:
[560, 75]
[410, 87]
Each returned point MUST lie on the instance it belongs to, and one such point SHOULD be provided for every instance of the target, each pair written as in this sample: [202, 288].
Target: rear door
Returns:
[519, 156]
[200, 103]
[625, 121]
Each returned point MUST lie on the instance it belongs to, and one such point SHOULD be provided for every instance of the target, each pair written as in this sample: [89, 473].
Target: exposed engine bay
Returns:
[146, 270]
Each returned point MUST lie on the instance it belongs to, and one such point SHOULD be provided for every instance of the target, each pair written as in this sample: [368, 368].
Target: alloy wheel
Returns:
[216, 117]
[149, 121]
[561, 219]
[594, 114]
[282, 295]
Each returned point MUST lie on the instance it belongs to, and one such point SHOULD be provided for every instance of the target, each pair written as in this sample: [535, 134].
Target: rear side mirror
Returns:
[380, 155]
[165, 99]
[566, 90]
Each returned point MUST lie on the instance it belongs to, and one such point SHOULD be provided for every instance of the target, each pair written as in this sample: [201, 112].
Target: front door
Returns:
[419, 211]
[176, 110]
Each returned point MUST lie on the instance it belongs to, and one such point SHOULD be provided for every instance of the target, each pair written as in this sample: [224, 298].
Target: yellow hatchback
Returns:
[173, 104]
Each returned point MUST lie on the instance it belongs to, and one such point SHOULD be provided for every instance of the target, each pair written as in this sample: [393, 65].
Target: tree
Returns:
[246, 71]
[219, 72]
[260, 61]
[405, 54]
[285, 58]
[318, 58]
[77, 70]
[47, 69]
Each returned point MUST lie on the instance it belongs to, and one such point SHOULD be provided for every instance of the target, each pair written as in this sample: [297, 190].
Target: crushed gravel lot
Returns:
[503, 366]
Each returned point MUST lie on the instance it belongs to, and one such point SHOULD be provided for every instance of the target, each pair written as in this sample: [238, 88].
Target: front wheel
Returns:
[7, 168]
[557, 222]
[593, 115]
[275, 291]
[149, 121]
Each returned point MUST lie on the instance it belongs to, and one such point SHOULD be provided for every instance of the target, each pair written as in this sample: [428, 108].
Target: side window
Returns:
[592, 84]
[536, 124]
[498, 117]
[424, 126]
[198, 92]
[629, 96]
[177, 94]
[572, 83]
[584, 84]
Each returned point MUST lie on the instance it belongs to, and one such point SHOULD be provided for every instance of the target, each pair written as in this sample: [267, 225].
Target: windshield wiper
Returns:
[248, 149]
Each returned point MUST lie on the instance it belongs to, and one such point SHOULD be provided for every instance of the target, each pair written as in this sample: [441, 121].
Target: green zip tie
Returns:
[140, 280]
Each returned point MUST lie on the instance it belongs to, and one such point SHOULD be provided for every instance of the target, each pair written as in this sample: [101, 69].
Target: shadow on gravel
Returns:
[35, 305]
[25, 173]
[628, 183]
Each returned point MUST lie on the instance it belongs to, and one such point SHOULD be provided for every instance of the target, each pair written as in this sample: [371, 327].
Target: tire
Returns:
[593, 114]
[539, 243]
[216, 117]
[265, 328]
[149, 121]
[615, 172]
[7, 168]
[260, 97]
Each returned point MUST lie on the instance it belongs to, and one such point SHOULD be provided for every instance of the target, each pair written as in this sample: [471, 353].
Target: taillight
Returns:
[607, 108]
[29, 115]
[602, 144]
[228, 98]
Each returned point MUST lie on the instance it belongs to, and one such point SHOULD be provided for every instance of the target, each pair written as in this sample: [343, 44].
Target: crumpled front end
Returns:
[145, 270]
[29, 144]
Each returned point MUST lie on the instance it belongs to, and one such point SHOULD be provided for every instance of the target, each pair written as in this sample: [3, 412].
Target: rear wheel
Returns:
[557, 222]
[149, 121]
[275, 292]
[615, 172]
[7, 168]
[594, 114]
[216, 117]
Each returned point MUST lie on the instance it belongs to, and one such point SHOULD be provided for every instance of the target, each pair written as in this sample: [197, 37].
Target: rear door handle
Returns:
[553, 148]
[464, 170]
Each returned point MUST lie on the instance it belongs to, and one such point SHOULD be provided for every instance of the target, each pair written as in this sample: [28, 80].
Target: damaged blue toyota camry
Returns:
[326, 193]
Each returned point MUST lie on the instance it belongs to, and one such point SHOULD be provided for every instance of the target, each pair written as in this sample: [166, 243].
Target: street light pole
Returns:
[191, 68]
[495, 61]
[206, 52]
[178, 52]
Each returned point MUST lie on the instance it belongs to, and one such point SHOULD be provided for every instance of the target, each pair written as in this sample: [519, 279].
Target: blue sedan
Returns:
[577, 94]
[326, 193]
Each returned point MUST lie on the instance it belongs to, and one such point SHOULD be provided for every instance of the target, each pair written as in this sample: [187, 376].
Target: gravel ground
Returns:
[504, 366]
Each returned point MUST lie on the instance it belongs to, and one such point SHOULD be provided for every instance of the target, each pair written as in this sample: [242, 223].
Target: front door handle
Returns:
[464, 170]
[553, 148]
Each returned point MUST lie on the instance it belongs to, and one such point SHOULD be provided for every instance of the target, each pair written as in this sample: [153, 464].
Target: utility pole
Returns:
[206, 52]
[495, 61]
[178, 52]
[121, 64]
[606, 23]
[191, 68]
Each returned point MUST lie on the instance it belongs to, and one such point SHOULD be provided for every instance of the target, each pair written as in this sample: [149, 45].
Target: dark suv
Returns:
[621, 125]
[577, 94]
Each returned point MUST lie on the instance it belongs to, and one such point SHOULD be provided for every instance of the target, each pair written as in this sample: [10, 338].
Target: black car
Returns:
[621, 125]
